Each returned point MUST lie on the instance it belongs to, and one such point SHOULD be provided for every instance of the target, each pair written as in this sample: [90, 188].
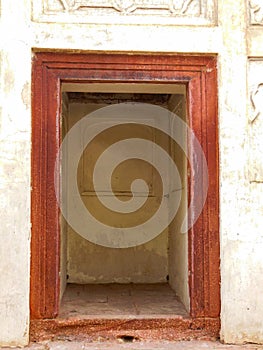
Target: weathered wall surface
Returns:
[233, 29]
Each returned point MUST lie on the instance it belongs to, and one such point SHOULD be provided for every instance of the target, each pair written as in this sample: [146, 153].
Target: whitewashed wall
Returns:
[231, 28]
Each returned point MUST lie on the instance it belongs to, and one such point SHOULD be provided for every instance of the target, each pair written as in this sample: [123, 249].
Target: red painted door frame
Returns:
[199, 74]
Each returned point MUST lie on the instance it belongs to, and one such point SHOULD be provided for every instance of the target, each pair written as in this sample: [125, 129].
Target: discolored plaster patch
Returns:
[9, 81]
[25, 94]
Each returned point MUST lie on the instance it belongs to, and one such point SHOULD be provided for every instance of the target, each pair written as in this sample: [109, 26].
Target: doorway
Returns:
[177, 274]
[131, 275]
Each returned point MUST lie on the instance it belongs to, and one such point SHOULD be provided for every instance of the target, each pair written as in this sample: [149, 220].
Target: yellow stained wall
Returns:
[91, 263]
[148, 263]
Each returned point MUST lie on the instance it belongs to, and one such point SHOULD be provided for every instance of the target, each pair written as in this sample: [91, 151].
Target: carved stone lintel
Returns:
[256, 12]
[125, 11]
[129, 6]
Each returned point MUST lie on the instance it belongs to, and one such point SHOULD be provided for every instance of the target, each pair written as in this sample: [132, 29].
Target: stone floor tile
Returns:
[116, 299]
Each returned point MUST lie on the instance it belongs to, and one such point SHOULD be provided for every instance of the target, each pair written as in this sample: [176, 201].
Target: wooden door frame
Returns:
[199, 74]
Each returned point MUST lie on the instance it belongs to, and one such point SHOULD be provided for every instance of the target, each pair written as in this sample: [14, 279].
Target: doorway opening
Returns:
[146, 280]
[68, 271]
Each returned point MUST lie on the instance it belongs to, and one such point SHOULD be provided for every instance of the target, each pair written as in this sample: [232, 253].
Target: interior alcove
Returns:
[154, 273]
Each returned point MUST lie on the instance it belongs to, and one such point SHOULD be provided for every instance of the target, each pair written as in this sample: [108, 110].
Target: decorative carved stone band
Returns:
[256, 12]
[128, 6]
[125, 11]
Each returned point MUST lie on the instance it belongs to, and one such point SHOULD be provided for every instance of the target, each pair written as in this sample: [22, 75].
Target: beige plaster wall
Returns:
[148, 263]
[230, 28]
[178, 242]
[91, 263]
